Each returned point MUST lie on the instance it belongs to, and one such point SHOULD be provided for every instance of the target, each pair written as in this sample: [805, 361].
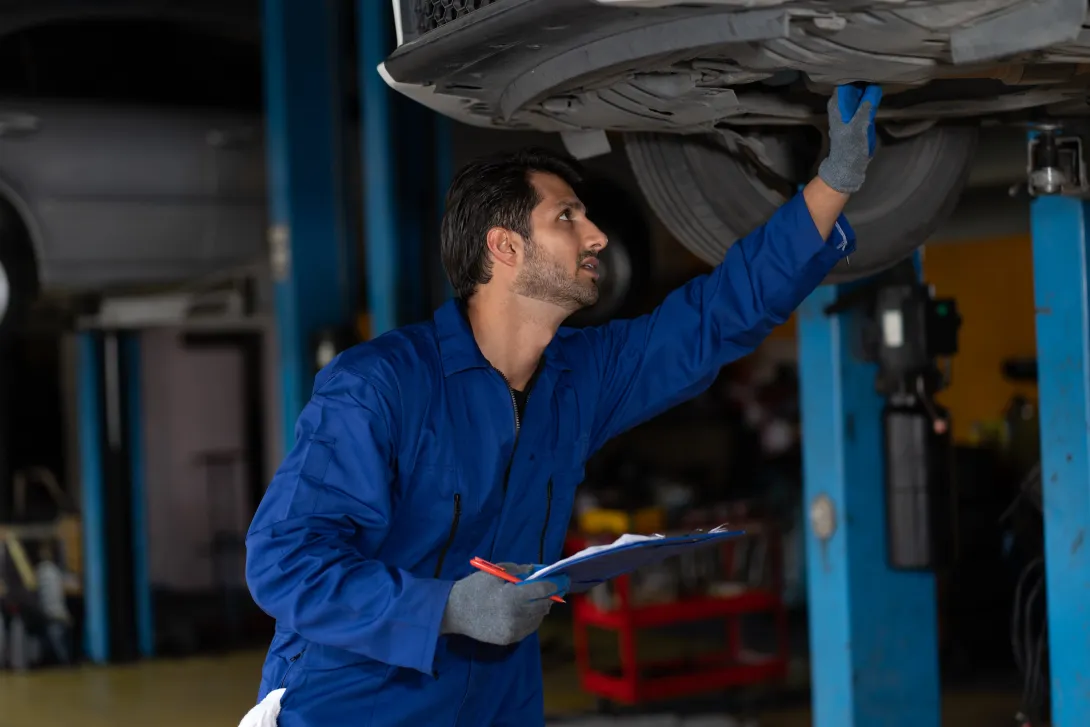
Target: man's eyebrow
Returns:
[571, 203]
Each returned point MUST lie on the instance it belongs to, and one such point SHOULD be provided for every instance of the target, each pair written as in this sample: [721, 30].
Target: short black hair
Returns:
[493, 192]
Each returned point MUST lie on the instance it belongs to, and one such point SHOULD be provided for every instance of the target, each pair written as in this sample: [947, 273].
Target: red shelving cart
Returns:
[640, 681]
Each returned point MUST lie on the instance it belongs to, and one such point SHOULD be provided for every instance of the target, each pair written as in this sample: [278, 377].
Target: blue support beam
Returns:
[141, 576]
[314, 265]
[381, 239]
[96, 632]
[873, 631]
[112, 487]
[1062, 298]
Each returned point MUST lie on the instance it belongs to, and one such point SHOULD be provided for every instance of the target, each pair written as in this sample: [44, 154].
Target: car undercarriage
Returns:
[625, 66]
[721, 105]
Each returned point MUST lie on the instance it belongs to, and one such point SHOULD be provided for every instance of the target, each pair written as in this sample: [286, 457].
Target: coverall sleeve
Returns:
[652, 363]
[309, 549]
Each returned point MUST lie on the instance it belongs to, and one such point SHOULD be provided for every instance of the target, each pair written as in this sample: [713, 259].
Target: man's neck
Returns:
[512, 333]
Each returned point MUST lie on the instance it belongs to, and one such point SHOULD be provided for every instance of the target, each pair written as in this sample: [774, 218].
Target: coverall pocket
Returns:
[437, 521]
[330, 694]
[556, 512]
[429, 489]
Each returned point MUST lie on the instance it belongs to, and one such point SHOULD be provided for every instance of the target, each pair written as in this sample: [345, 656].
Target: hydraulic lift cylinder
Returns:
[918, 485]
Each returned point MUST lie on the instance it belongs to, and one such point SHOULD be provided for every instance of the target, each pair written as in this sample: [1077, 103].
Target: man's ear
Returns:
[502, 244]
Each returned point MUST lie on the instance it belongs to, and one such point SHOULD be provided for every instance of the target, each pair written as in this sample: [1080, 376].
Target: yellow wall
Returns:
[992, 281]
[787, 330]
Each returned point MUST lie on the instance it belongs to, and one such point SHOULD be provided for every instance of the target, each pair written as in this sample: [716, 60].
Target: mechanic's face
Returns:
[560, 263]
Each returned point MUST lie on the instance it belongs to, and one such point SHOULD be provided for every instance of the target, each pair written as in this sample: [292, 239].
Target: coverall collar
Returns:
[458, 348]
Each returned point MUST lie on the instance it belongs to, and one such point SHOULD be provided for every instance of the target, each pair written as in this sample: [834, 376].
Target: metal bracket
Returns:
[864, 295]
[586, 144]
[227, 303]
[1055, 164]
[823, 517]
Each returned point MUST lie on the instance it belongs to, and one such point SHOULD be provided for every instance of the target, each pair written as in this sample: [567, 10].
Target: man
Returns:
[467, 436]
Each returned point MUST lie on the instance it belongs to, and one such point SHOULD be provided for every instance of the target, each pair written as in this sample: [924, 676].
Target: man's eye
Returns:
[566, 215]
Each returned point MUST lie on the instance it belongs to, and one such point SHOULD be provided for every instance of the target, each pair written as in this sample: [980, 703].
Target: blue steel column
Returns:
[379, 180]
[96, 631]
[873, 634]
[141, 578]
[313, 264]
[1060, 270]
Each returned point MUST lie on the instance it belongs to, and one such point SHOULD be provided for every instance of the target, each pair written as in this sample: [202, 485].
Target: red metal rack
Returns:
[645, 681]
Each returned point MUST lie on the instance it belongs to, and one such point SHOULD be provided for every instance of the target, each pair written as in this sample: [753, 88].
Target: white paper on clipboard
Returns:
[627, 553]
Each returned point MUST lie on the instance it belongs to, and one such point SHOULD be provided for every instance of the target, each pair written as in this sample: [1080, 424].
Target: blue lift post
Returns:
[103, 360]
[313, 262]
[873, 630]
[379, 180]
[394, 205]
[96, 630]
[1061, 274]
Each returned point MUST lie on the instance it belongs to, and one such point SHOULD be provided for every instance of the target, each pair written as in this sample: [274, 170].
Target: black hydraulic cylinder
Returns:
[919, 488]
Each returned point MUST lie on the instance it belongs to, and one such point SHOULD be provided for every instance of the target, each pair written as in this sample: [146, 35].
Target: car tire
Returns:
[625, 264]
[708, 198]
[18, 276]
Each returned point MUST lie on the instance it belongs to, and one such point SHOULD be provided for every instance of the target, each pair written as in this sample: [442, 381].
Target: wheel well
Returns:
[15, 231]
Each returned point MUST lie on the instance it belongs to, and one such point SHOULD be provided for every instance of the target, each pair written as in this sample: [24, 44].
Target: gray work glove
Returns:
[489, 609]
[852, 136]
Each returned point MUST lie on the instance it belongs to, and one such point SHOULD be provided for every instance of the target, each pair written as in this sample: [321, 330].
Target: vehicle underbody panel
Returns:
[561, 65]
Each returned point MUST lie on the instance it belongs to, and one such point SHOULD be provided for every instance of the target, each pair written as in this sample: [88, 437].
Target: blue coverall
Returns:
[406, 466]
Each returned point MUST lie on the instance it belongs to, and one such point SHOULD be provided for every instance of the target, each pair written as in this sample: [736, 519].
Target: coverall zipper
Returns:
[453, 532]
[514, 403]
[506, 482]
[545, 528]
[291, 665]
[518, 427]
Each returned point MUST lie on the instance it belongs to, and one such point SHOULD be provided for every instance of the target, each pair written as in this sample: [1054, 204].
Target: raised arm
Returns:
[825, 205]
[652, 363]
[327, 507]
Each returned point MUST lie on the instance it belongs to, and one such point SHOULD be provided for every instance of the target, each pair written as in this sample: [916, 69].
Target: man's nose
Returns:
[594, 237]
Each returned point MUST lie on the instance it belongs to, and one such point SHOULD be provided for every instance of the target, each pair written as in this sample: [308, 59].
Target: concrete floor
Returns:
[217, 691]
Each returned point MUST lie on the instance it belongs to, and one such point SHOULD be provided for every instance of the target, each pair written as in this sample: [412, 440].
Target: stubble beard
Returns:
[547, 280]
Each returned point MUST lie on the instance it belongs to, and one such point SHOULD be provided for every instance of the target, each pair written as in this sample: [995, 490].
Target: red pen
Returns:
[493, 569]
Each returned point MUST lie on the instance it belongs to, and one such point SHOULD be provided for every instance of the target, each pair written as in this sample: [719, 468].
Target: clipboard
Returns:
[586, 571]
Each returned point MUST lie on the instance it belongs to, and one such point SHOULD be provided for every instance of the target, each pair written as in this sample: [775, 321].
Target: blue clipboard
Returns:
[588, 571]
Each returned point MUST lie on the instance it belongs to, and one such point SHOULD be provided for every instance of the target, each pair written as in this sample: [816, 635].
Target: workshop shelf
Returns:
[639, 680]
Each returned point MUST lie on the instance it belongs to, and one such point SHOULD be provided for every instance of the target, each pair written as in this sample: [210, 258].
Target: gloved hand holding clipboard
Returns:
[501, 572]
